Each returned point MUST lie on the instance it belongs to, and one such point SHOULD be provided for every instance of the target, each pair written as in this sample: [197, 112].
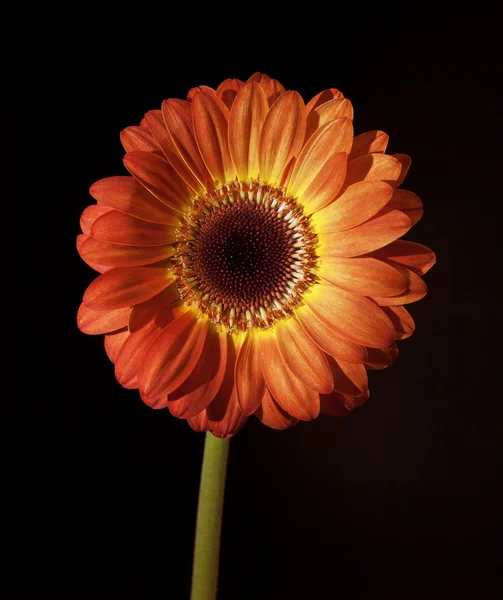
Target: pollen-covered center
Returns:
[246, 253]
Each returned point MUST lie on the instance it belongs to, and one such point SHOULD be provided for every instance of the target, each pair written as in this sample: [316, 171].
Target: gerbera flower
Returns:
[250, 263]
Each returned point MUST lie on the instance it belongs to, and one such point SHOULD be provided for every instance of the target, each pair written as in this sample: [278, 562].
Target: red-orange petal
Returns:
[138, 138]
[246, 120]
[115, 227]
[416, 290]
[294, 396]
[142, 314]
[114, 342]
[371, 141]
[249, 381]
[228, 90]
[200, 88]
[356, 317]
[363, 275]
[322, 98]
[202, 385]
[405, 160]
[333, 405]
[159, 178]
[303, 357]
[350, 379]
[126, 286]
[408, 203]
[272, 87]
[126, 195]
[282, 136]
[81, 241]
[173, 355]
[402, 321]
[89, 216]
[95, 322]
[211, 121]
[119, 255]
[333, 109]
[385, 227]
[357, 204]
[380, 358]
[416, 257]
[373, 167]
[156, 403]
[272, 415]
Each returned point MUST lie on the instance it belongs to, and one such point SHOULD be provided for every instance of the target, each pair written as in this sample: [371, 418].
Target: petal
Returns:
[202, 385]
[211, 117]
[249, 381]
[200, 422]
[200, 88]
[357, 204]
[228, 90]
[272, 415]
[155, 121]
[402, 321]
[303, 357]
[126, 195]
[416, 290]
[173, 355]
[373, 167]
[385, 227]
[416, 257]
[178, 120]
[369, 142]
[408, 203]
[114, 342]
[322, 98]
[143, 313]
[94, 322]
[349, 378]
[81, 242]
[120, 255]
[115, 227]
[365, 276]
[282, 135]
[323, 114]
[328, 338]
[156, 403]
[357, 318]
[159, 178]
[380, 358]
[272, 87]
[89, 216]
[405, 161]
[311, 165]
[126, 286]
[246, 120]
[138, 138]
[290, 393]
[333, 405]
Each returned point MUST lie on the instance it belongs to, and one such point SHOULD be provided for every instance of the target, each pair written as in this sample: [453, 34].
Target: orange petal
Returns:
[138, 138]
[333, 405]
[356, 317]
[155, 121]
[249, 381]
[311, 167]
[402, 321]
[323, 114]
[159, 178]
[322, 98]
[81, 242]
[373, 167]
[385, 227]
[295, 397]
[120, 255]
[211, 117]
[228, 90]
[143, 313]
[173, 355]
[202, 385]
[416, 257]
[89, 216]
[416, 290]
[328, 338]
[200, 422]
[178, 120]
[272, 87]
[349, 378]
[282, 135]
[114, 342]
[128, 196]
[246, 120]
[371, 141]
[380, 358]
[365, 276]
[115, 227]
[95, 322]
[126, 286]
[303, 357]
[357, 204]
[200, 88]
[405, 161]
[408, 203]
[272, 415]
[156, 403]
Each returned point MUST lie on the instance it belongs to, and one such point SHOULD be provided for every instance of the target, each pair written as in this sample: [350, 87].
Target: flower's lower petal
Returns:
[156, 403]
[118, 228]
[402, 321]
[82, 240]
[138, 138]
[172, 356]
[114, 342]
[416, 257]
[95, 322]
[272, 415]
[294, 396]
[90, 215]
[380, 358]
[405, 160]
[249, 381]
[322, 98]
[369, 142]
[373, 167]
[357, 318]
[408, 203]
[349, 378]
[416, 290]
[199, 422]
[120, 255]
[142, 314]
[333, 405]
[126, 286]
[228, 90]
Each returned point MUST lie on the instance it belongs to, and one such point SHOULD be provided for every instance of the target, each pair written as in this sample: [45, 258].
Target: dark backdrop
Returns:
[402, 496]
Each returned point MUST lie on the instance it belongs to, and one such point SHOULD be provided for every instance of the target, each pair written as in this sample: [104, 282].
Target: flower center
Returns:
[245, 255]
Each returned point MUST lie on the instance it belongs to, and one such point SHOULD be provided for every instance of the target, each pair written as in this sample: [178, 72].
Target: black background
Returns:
[401, 497]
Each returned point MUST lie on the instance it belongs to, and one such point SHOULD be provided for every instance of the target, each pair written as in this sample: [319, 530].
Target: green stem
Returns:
[209, 518]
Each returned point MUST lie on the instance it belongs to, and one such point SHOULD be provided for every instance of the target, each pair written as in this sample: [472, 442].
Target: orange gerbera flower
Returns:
[250, 263]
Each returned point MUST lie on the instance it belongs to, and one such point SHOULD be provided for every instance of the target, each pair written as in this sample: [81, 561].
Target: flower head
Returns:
[251, 262]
